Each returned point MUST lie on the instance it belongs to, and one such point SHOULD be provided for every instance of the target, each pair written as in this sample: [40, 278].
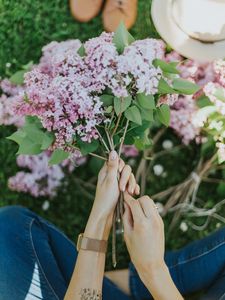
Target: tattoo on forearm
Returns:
[90, 294]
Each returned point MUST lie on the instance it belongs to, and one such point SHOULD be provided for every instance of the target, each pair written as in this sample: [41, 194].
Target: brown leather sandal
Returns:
[116, 11]
[85, 10]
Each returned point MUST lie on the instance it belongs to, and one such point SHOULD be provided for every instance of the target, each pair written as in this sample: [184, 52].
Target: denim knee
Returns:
[12, 219]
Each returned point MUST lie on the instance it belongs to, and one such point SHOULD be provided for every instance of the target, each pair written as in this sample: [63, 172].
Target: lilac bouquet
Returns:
[95, 97]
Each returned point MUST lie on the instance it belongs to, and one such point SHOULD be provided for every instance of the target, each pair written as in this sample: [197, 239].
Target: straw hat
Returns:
[194, 28]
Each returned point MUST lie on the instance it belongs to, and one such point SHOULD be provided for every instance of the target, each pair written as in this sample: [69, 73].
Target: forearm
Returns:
[160, 283]
[89, 270]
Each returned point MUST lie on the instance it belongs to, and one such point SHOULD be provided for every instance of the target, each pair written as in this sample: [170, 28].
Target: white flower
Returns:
[158, 170]
[46, 205]
[183, 226]
[218, 225]
[8, 65]
[167, 144]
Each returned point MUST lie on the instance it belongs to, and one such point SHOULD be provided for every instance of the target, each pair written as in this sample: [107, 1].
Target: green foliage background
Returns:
[25, 27]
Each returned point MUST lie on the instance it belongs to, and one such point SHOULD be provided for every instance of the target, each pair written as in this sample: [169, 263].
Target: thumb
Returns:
[113, 163]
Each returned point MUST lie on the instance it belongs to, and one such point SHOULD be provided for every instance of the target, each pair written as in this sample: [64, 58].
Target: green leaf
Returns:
[18, 77]
[146, 101]
[143, 142]
[166, 67]
[133, 114]
[58, 156]
[28, 147]
[137, 130]
[163, 114]
[147, 114]
[47, 141]
[203, 101]
[109, 109]
[17, 136]
[107, 100]
[122, 38]
[33, 120]
[121, 104]
[87, 148]
[220, 94]
[31, 138]
[185, 87]
[28, 66]
[81, 51]
[165, 88]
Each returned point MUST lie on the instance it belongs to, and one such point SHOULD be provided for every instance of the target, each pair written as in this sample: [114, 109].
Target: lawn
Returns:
[26, 26]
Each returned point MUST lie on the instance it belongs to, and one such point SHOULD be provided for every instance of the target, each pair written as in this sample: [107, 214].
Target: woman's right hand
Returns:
[144, 235]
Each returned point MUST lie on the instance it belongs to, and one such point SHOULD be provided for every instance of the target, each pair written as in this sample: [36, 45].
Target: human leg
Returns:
[195, 267]
[37, 260]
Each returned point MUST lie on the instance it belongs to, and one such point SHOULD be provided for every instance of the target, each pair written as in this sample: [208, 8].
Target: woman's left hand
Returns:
[114, 177]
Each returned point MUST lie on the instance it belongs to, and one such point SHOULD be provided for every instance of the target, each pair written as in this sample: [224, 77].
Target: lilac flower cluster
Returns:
[8, 100]
[184, 112]
[201, 73]
[182, 115]
[211, 87]
[42, 179]
[64, 89]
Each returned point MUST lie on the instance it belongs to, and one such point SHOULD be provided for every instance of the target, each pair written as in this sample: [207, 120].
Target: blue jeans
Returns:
[37, 261]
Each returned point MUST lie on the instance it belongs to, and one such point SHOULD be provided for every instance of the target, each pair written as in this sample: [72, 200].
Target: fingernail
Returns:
[113, 155]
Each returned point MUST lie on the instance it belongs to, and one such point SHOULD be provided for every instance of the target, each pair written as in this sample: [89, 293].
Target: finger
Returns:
[124, 178]
[121, 165]
[112, 164]
[135, 207]
[102, 173]
[137, 189]
[127, 219]
[148, 206]
[131, 184]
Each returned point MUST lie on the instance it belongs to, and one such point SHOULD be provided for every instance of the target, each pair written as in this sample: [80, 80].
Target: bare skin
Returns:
[85, 280]
[142, 225]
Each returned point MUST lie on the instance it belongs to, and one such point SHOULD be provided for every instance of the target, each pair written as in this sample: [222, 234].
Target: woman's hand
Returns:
[114, 177]
[144, 234]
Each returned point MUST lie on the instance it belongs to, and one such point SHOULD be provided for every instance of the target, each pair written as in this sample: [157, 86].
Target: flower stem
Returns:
[123, 138]
[98, 156]
[102, 140]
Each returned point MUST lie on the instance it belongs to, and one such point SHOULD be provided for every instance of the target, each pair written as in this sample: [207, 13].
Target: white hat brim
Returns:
[178, 40]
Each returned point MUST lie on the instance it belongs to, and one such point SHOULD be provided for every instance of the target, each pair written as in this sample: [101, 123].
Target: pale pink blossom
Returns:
[40, 179]
[182, 115]
[130, 151]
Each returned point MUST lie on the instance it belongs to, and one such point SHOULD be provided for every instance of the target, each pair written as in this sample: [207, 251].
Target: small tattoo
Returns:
[90, 294]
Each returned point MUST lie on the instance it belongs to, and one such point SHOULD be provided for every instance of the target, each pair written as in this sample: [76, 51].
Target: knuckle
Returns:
[128, 168]
[144, 198]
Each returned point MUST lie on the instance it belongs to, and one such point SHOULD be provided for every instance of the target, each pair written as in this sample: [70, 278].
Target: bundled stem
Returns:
[184, 195]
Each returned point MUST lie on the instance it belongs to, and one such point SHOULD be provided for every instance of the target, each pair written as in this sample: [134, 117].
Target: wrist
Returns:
[159, 282]
[157, 272]
[98, 227]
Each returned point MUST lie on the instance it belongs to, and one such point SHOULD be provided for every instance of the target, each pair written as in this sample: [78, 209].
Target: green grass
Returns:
[26, 26]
